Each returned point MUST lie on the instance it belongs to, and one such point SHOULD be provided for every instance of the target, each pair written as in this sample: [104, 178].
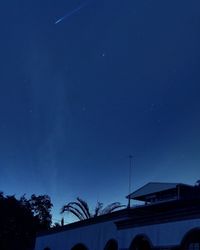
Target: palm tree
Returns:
[80, 209]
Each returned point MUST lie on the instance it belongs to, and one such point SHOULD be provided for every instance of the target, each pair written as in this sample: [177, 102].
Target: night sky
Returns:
[115, 77]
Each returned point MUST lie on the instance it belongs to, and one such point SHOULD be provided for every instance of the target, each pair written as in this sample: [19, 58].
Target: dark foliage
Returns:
[80, 209]
[21, 219]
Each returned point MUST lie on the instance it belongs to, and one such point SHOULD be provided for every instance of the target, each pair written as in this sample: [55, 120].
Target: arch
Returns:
[140, 242]
[191, 240]
[79, 247]
[111, 245]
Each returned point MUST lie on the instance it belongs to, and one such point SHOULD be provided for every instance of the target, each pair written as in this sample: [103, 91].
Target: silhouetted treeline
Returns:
[21, 219]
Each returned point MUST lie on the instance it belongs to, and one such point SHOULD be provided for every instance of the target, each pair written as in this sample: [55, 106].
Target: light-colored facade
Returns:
[171, 223]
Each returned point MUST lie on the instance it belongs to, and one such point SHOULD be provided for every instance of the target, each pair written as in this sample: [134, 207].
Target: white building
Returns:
[168, 219]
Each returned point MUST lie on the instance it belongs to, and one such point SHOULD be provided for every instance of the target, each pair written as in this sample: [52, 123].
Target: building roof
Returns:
[158, 213]
[145, 215]
[154, 187]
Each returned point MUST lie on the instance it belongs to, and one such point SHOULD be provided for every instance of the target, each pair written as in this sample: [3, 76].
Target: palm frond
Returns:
[85, 208]
[111, 207]
[75, 211]
[98, 209]
[81, 210]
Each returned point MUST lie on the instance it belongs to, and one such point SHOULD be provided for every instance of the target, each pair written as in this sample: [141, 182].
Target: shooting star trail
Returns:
[71, 12]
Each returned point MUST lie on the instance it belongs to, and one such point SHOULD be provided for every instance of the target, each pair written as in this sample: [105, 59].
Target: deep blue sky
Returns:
[115, 78]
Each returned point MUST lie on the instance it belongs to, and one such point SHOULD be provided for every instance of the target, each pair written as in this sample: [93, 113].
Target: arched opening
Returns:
[79, 247]
[111, 245]
[191, 241]
[140, 242]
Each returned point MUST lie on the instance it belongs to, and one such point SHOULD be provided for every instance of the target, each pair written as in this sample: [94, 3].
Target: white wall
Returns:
[167, 234]
[95, 237]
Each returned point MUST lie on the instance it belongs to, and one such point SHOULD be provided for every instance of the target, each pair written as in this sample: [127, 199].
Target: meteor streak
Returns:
[71, 12]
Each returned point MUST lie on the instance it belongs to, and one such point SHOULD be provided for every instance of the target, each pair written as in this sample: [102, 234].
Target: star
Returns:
[83, 108]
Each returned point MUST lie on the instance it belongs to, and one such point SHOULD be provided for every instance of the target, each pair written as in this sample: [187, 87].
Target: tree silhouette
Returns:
[21, 219]
[80, 209]
[41, 207]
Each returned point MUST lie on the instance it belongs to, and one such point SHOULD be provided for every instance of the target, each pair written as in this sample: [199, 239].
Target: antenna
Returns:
[130, 179]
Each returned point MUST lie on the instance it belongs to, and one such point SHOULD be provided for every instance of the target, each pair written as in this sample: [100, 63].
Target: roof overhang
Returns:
[152, 188]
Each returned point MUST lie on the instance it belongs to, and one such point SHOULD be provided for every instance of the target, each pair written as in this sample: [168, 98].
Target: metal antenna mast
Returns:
[130, 179]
